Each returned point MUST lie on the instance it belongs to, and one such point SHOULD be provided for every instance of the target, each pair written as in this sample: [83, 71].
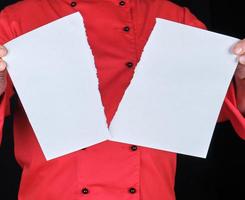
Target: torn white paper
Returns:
[54, 74]
[177, 91]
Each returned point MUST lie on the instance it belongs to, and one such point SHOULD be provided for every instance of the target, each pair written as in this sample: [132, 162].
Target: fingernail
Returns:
[242, 60]
[238, 50]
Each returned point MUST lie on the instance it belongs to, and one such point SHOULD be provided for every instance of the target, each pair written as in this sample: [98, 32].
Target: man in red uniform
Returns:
[117, 33]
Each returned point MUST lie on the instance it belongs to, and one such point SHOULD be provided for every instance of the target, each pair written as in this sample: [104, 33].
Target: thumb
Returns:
[3, 81]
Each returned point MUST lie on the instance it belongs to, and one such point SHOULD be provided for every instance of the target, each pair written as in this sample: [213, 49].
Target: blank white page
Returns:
[53, 71]
[177, 91]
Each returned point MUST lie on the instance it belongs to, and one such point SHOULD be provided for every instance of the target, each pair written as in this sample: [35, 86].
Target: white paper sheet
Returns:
[177, 91]
[54, 74]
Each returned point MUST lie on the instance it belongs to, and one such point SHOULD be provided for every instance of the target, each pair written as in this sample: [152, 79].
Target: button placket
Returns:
[133, 189]
[128, 29]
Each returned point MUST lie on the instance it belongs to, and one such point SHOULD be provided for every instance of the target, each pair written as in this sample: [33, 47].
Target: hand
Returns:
[3, 65]
[239, 50]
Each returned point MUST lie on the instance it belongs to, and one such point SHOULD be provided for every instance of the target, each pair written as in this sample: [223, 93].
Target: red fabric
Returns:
[107, 169]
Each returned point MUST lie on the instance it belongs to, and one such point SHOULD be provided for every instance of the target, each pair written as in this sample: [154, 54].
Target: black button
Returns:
[129, 64]
[85, 191]
[134, 148]
[132, 190]
[126, 29]
[73, 4]
[122, 3]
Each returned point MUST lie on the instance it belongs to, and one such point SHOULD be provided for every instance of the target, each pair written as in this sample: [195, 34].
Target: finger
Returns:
[240, 72]
[3, 51]
[242, 59]
[239, 48]
[3, 65]
[3, 81]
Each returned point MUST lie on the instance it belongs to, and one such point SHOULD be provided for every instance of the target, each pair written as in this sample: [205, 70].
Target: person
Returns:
[117, 32]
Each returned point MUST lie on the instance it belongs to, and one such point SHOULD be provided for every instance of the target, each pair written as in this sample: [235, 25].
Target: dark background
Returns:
[219, 177]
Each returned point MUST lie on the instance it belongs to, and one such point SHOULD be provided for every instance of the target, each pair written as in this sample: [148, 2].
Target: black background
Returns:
[219, 177]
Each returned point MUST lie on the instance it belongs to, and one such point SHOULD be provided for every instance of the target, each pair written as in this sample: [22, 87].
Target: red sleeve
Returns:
[5, 36]
[229, 109]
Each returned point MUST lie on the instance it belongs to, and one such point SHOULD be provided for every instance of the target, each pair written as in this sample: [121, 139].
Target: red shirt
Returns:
[108, 170]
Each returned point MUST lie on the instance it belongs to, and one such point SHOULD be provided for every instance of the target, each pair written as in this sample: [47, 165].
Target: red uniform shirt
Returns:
[117, 33]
